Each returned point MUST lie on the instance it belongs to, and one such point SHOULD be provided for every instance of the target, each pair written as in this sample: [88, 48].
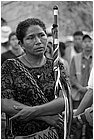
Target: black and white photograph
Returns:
[46, 69]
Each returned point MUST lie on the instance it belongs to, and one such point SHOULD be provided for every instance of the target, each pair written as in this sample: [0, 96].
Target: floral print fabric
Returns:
[16, 85]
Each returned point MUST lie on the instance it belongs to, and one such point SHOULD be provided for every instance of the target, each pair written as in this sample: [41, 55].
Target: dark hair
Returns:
[11, 34]
[23, 26]
[86, 36]
[78, 33]
[49, 45]
[62, 48]
[3, 22]
[62, 45]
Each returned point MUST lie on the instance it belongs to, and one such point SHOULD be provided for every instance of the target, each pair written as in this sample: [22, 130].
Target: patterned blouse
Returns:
[16, 85]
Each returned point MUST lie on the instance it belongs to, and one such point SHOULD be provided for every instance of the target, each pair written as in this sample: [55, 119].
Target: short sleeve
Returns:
[6, 80]
[90, 82]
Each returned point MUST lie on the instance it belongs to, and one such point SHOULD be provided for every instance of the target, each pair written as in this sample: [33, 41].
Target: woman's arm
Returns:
[51, 108]
[54, 107]
[86, 102]
[54, 120]
[7, 89]
[7, 106]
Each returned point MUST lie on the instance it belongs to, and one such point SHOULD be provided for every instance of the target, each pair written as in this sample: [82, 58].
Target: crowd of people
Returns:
[28, 82]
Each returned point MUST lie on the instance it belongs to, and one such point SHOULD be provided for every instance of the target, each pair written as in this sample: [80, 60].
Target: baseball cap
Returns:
[87, 36]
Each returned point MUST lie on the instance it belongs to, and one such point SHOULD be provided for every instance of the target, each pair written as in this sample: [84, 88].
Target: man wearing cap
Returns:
[80, 70]
[79, 73]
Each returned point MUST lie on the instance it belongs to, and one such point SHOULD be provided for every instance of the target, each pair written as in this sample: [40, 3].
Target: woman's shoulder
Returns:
[9, 63]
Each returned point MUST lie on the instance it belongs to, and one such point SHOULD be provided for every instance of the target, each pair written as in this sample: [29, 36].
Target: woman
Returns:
[28, 83]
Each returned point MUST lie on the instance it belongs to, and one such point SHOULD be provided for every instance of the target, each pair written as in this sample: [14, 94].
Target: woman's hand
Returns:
[25, 113]
[55, 120]
[29, 113]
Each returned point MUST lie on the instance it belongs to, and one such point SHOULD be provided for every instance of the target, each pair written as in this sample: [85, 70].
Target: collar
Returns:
[87, 57]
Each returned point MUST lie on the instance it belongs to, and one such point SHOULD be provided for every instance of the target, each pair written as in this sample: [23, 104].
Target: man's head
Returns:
[78, 35]
[87, 43]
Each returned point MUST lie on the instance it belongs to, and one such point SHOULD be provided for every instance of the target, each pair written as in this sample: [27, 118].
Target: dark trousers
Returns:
[89, 132]
[79, 132]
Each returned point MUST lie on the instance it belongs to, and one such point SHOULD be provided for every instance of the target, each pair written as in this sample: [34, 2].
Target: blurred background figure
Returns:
[77, 39]
[73, 45]
[15, 49]
[5, 31]
[69, 45]
[84, 112]
[80, 70]
[62, 48]
[49, 50]
[87, 57]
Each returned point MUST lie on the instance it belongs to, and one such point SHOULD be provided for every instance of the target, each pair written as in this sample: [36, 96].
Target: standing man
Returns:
[73, 45]
[80, 71]
[77, 40]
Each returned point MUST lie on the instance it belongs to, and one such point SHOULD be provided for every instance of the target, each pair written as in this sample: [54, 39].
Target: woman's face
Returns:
[35, 40]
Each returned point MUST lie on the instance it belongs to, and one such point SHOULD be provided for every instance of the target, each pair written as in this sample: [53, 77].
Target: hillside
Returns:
[73, 15]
